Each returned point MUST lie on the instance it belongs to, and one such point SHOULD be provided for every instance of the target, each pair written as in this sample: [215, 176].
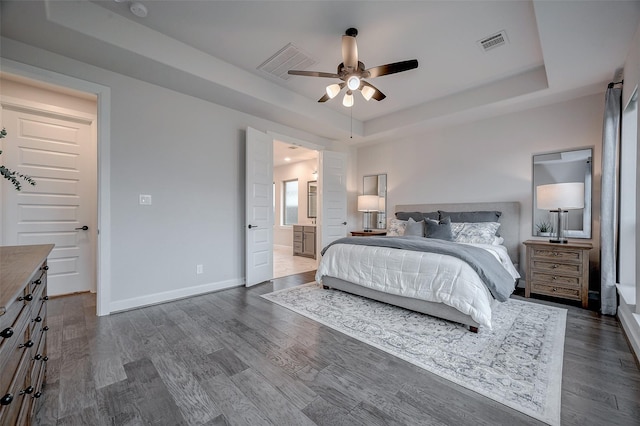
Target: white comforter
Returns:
[427, 276]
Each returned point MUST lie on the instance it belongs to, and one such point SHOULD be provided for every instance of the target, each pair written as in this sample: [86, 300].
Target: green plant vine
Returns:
[11, 175]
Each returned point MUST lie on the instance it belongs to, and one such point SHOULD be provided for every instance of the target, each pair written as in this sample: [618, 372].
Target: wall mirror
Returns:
[377, 185]
[312, 199]
[564, 167]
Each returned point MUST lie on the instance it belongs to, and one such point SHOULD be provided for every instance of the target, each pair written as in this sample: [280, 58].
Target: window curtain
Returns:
[609, 200]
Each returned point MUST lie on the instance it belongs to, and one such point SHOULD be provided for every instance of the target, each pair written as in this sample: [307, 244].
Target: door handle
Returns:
[252, 226]
[83, 228]
[344, 223]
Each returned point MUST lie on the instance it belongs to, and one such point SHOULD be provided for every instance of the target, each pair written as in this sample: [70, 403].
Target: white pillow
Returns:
[396, 227]
[475, 233]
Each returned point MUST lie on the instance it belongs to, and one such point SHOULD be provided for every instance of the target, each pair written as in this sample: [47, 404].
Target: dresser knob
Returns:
[7, 332]
[555, 266]
[38, 357]
[45, 268]
[6, 400]
[38, 281]
[45, 359]
[37, 394]
[27, 390]
[37, 319]
[45, 328]
[554, 278]
[554, 289]
[26, 344]
[45, 298]
[28, 298]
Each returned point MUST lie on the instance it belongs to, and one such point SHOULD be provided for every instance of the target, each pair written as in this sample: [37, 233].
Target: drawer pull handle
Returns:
[7, 332]
[37, 319]
[38, 357]
[45, 328]
[554, 289]
[37, 394]
[45, 268]
[38, 281]
[45, 359]
[554, 278]
[45, 298]
[555, 266]
[28, 298]
[28, 390]
[26, 344]
[6, 400]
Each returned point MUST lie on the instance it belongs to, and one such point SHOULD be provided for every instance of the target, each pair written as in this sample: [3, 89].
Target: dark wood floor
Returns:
[234, 358]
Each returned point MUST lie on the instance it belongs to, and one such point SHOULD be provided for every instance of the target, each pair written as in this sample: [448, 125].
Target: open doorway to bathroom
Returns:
[295, 175]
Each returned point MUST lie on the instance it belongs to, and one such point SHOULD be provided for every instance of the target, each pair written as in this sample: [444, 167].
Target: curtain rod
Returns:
[610, 86]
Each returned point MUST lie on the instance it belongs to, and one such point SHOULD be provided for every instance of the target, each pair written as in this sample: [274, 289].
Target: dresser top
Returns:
[571, 244]
[17, 265]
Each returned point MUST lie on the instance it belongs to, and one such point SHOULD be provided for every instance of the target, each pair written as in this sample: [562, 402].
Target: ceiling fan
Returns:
[352, 73]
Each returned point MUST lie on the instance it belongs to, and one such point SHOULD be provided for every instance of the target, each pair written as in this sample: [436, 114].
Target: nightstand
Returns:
[373, 232]
[558, 270]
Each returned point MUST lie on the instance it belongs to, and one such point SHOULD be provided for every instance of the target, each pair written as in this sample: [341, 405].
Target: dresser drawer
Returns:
[297, 237]
[14, 392]
[13, 353]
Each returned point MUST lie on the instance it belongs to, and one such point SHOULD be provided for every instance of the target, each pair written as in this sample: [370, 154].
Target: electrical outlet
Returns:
[145, 200]
[199, 269]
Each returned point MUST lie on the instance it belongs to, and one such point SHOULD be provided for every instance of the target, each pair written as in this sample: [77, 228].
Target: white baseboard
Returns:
[167, 296]
[630, 323]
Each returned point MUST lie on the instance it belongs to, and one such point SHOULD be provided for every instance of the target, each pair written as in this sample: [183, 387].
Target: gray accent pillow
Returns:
[440, 230]
[418, 216]
[471, 217]
[414, 228]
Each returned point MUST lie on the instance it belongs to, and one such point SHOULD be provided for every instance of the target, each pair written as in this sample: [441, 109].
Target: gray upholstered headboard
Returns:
[509, 220]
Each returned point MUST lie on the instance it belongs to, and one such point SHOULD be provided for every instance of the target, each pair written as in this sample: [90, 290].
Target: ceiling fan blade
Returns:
[313, 74]
[378, 95]
[325, 98]
[349, 52]
[392, 68]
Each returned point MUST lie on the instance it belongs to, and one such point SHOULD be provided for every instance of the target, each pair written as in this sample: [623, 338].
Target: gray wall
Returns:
[189, 155]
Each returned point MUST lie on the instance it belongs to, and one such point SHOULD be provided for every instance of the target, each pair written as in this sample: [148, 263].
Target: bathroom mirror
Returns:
[564, 167]
[377, 185]
[312, 199]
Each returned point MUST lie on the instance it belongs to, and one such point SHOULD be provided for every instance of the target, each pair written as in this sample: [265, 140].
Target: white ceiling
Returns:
[556, 50]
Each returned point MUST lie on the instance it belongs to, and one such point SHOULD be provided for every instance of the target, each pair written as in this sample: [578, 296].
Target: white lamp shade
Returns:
[333, 90]
[348, 99]
[564, 196]
[367, 203]
[367, 92]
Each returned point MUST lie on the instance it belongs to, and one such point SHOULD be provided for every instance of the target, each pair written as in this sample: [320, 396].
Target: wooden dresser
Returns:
[23, 330]
[558, 270]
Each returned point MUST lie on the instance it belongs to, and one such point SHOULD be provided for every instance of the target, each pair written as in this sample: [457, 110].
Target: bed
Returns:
[447, 287]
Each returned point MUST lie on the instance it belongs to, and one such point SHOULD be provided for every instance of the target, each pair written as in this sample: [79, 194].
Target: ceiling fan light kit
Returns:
[353, 73]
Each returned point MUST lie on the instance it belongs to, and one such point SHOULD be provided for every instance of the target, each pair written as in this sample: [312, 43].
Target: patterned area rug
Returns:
[518, 363]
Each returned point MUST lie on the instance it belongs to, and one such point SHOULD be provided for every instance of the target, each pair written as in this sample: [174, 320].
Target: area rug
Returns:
[518, 363]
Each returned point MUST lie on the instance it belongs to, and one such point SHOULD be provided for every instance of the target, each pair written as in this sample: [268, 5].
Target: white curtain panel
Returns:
[609, 200]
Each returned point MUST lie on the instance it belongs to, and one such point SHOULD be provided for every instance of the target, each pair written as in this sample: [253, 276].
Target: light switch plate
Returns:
[145, 200]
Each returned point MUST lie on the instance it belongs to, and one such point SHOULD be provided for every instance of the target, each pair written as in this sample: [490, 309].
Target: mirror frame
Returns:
[312, 201]
[585, 232]
[376, 185]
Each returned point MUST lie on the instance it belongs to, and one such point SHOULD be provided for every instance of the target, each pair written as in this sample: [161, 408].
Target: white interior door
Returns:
[259, 208]
[333, 197]
[57, 149]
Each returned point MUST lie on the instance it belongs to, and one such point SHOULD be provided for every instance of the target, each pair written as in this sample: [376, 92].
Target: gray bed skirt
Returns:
[439, 310]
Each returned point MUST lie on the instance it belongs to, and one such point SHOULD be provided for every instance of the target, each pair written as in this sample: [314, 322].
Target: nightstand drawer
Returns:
[556, 267]
[554, 279]
[557, 254]
[556, 291]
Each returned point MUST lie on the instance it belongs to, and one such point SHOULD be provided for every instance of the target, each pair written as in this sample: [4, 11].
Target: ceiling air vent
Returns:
[493, 41]
[288, 58]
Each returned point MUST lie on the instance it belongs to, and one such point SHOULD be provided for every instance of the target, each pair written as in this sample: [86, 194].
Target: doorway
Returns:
[295, 170]
[101, 246]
